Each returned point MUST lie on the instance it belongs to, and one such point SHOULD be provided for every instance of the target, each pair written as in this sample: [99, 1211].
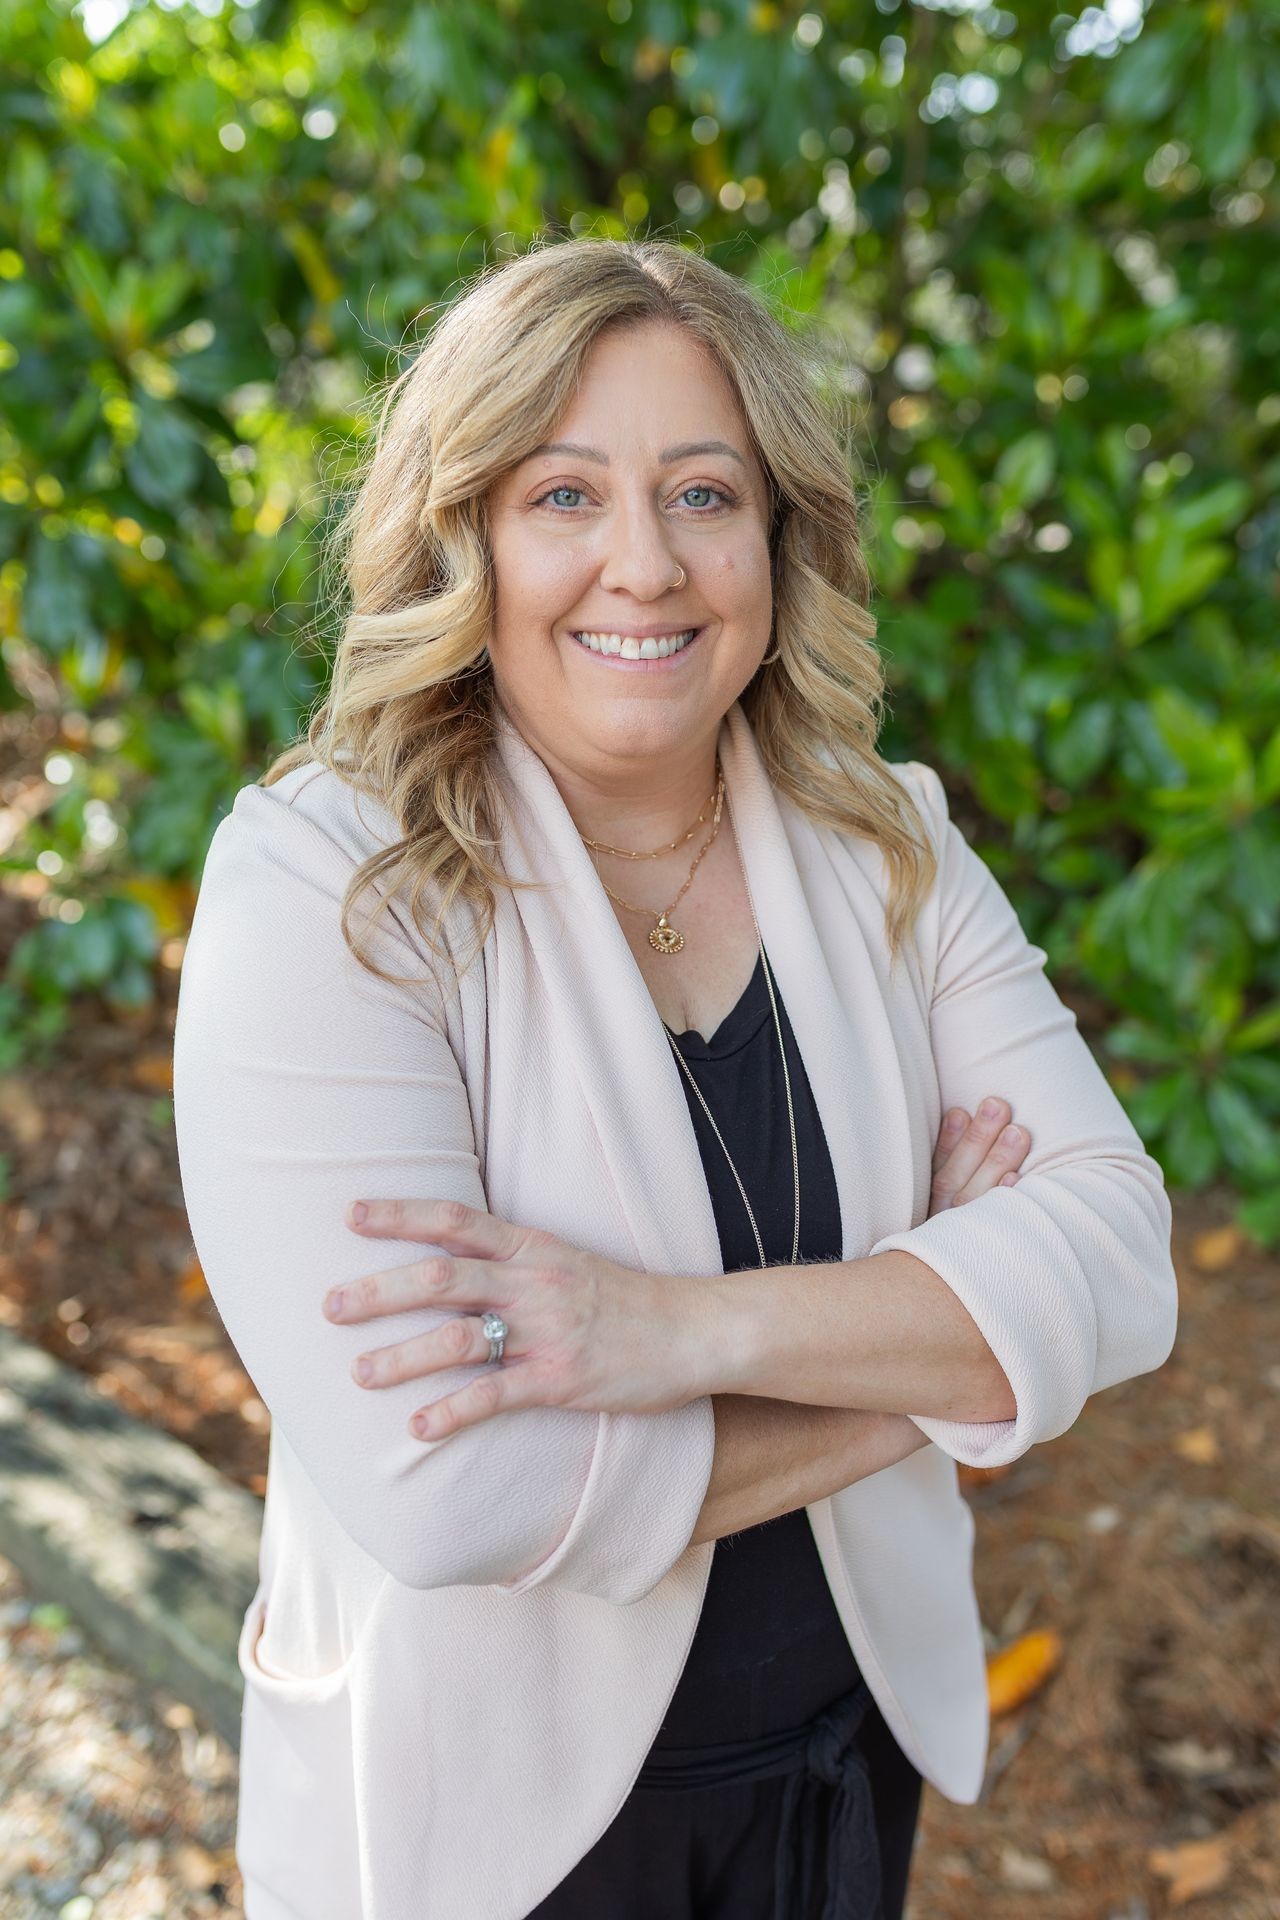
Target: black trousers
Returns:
[826, 1834]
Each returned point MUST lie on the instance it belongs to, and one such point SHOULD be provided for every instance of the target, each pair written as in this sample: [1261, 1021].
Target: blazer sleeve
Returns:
[300, 1083]
[1068, 1274]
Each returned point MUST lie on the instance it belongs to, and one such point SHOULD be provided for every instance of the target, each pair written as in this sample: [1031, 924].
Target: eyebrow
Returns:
[684, 451]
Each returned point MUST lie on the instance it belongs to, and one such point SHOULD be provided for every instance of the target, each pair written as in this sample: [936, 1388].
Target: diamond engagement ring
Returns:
[496, 1330]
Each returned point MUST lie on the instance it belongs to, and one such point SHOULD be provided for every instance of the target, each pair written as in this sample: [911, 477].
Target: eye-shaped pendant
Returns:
[666, 939]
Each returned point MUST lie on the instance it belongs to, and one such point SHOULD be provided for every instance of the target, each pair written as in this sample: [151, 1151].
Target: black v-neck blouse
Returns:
[769, 1650]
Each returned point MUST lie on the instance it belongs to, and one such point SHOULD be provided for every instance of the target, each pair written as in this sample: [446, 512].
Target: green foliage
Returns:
[1041, 251]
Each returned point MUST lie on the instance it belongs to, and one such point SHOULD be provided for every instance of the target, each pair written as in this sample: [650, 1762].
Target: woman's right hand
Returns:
[972, 1155]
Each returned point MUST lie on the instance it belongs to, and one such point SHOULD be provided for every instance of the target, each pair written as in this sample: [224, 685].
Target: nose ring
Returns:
[683, 577]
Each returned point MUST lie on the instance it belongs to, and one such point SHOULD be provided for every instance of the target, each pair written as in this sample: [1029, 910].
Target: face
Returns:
[648, 471]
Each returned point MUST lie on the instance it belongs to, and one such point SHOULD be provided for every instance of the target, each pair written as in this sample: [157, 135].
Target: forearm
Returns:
[773, 1456]
[885, 1333]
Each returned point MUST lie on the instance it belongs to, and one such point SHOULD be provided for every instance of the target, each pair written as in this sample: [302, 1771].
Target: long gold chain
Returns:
[663, 937]
[791, 1118]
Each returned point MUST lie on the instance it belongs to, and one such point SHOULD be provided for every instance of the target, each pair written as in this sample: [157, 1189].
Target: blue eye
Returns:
[725, 498]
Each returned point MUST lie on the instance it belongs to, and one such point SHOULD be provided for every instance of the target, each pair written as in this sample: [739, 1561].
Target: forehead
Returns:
[666, 456]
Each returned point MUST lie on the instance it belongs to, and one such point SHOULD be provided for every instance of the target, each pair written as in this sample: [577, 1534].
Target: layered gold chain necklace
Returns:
[665, 938]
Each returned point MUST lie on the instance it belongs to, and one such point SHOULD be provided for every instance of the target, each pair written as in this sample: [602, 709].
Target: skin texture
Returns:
[601, 544]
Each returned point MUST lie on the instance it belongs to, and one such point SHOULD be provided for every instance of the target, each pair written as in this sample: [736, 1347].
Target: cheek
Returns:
[741, 575]
[534, 582]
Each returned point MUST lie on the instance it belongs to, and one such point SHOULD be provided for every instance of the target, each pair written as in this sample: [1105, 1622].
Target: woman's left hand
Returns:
[584, 1332]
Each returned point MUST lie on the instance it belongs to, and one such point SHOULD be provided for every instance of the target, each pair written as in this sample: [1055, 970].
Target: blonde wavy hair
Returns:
[409, 715]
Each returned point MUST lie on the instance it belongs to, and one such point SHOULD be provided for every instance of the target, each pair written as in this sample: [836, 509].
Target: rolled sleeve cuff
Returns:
[1016, 1274]
[648, 1479]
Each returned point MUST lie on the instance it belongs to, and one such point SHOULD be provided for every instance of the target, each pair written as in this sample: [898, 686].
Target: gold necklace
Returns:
[791, 1117]
[663, 937]
[625, 853]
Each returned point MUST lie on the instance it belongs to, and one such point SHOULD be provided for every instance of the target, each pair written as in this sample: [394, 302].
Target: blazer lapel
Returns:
[621, 1056]
[800, 882]
[619, 1053]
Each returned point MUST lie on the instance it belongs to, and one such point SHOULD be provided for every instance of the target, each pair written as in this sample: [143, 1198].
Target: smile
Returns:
[622, 647]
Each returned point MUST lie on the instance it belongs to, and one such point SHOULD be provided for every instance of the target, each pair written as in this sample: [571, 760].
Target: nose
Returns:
[637, 552]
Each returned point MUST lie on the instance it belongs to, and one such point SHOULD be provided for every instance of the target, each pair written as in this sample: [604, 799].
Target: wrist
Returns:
[724, 1321]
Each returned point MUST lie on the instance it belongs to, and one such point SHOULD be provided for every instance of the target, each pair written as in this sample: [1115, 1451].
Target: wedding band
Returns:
[496, 1330]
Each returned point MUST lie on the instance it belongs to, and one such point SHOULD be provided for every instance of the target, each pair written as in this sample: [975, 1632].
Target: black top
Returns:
[769, 1649]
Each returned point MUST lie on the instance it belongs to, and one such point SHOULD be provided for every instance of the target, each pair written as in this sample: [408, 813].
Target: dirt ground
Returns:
[1141, 1775]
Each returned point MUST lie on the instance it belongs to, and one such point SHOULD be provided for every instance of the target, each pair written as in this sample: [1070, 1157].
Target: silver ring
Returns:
[496, 1330]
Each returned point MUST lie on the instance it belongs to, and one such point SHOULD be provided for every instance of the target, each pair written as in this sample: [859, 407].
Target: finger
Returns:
[969, 1150]
[953, 1125]
[437, 1280]
[1005, 1155]
[496, 1390]
[446, 1223]
[460, 1342]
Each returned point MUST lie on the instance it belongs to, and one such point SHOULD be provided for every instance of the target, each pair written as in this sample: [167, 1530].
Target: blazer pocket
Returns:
[273, 1682]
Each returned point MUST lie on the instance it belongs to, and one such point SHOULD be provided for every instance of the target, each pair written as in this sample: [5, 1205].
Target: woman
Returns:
[639, 1066]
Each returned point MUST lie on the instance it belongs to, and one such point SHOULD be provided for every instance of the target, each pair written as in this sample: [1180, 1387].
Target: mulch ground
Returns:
[1141, 1775]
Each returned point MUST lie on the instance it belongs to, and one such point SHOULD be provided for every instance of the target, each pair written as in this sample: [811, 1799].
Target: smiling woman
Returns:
[639, 1065]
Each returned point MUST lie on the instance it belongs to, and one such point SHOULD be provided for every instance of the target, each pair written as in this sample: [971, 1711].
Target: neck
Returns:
[634, 802]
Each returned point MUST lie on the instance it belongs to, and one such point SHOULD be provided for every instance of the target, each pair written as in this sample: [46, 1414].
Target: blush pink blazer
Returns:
[458, 1654]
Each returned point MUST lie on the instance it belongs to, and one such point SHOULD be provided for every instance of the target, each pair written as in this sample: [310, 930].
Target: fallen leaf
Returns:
[154, 1071]
[1019, 1671]
[1216, 1249]
[1199, 1444]
[1026, 1871]
[1190, 1759]
[191, 1281]
[1194, 1867]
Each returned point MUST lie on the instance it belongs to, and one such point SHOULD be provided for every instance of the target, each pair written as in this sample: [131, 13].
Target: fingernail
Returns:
[989, 1109]
[953, 1120]
[1012, 1135]
[333, 1303]
[363, 1371]
[359, 1213]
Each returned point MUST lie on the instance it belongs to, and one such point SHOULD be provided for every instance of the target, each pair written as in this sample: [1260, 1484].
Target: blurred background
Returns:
[1038, 249]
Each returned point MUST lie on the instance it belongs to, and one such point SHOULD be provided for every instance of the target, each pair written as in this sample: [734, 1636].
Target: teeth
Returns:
[631, 649]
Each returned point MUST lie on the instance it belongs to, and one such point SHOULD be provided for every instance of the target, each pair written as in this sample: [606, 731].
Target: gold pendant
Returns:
[665, 938]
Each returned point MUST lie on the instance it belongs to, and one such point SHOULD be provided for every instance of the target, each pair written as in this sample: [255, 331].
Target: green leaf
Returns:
[1144, 79]
[1215, 754]
[1151, 1105]
[57, 604]
[1024, 471]
[1224, 107]
[1262, 1030]
[1218, 509]
[163, 463]
[1079, 747]
[1191, 1143]
[1269, 768]
[1250, 1145]
[1130, 1040]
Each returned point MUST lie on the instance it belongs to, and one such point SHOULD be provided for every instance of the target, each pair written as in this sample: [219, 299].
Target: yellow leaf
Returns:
[1216, 1249]
[1199, 1444]
[1020, 1670]
[191, 1281]
[171, 901]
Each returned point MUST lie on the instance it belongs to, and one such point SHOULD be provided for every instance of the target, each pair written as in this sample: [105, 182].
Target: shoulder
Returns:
[924, 785]
[310, 815]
